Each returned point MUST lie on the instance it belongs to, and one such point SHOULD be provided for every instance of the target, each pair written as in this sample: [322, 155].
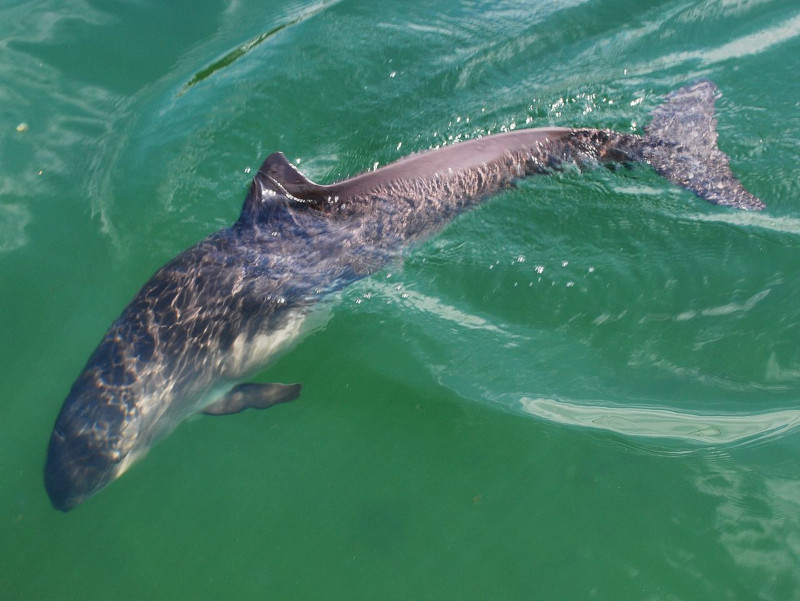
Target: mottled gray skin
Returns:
[224, 307]
[681, 145]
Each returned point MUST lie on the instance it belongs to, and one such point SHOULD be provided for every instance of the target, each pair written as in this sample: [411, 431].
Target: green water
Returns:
[586, 389]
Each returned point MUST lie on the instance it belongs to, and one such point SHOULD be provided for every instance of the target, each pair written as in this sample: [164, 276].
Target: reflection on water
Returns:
[13, 219]
[757, 522]
[692, 428]
[789, 225]
[235, 54]
[37, 73]
[397, 294]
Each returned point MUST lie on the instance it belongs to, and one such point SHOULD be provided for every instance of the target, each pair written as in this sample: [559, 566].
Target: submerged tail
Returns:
[681, 145]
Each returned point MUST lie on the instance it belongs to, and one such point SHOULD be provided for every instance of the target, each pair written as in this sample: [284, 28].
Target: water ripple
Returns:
[433, 306]
[787, 225]
[237, 53]
[744, 46]
[641, 422]
[13, 220]
[754, 43]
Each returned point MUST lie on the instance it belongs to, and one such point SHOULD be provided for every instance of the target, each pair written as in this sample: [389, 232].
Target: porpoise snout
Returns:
[75, 468]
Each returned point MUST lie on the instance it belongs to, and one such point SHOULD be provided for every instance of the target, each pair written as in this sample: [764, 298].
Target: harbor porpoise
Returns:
[217, 312]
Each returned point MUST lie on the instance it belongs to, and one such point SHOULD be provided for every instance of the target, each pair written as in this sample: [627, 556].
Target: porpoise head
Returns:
[95, 437]
[158, 363]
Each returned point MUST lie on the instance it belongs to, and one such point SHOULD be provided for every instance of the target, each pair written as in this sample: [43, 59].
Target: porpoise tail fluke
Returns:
[681, 145]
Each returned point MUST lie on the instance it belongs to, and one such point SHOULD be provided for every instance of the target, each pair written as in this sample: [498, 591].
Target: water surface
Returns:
[587, 388]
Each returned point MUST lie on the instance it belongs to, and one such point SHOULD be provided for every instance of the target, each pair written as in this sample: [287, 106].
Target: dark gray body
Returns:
[224, 307]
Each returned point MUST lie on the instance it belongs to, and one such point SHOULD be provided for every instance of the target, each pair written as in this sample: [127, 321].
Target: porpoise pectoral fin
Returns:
[253, 396]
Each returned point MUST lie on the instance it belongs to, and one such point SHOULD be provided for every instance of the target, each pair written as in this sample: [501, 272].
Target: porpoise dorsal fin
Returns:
[287, 178]
[277, 177]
